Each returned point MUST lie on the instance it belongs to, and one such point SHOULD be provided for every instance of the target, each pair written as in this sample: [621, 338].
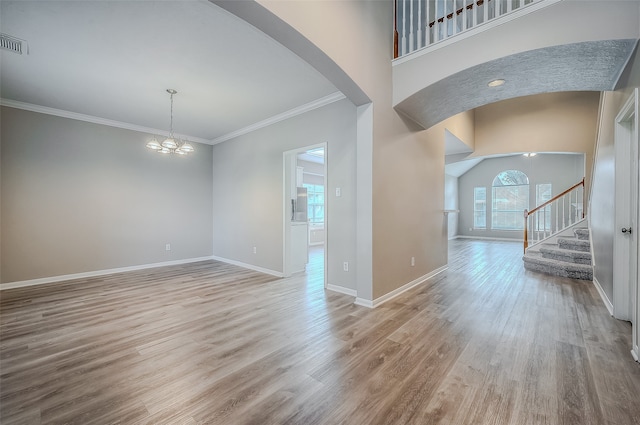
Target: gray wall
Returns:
[248, 190]
[451, 203]
[81, 197]
[602, 219]
[561, 170]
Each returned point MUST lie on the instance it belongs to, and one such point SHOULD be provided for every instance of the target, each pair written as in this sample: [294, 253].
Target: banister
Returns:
[536, 231]
[438, 14]
[555, 198]
[457, 12]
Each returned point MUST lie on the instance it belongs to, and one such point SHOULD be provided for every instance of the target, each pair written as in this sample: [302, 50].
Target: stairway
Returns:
[569, 257]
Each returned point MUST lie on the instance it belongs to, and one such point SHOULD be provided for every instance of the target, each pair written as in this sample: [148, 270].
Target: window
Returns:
[480, 208]
[543, 194]
[510, 197]
[315, 203]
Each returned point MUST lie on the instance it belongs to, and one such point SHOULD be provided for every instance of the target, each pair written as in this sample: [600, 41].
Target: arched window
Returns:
[510, 197]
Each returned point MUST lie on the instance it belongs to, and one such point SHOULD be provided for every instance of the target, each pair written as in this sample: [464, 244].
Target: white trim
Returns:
[386, 297]
[342, 290]
[634, 353]
[318, 103]
[485, 26]
[95, 120]
[623, 138]
[363, 302]
[487, 238]
[292, 153]
[84, 275]
[603, 295]
[596, 147]
[248, 266]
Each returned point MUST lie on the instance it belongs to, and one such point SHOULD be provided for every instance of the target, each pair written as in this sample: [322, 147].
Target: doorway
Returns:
[626, 301]
[305, 221]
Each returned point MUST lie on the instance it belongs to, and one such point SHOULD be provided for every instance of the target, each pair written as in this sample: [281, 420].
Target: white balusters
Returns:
[419, 32]
[557, 225]
[540, 227]
[404, 27]
[431, 21]
[427, 20]
[411, 49]
[474, 13]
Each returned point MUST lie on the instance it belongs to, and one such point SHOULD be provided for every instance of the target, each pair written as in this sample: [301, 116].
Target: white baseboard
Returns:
[84, 275]
[386, 297]
[248, 266]
[487, 238]
[342, 290]
[603, 295]
[634, 353]
[364, 302]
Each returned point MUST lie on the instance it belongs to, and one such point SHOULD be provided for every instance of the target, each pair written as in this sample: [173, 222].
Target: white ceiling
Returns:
[115, 59]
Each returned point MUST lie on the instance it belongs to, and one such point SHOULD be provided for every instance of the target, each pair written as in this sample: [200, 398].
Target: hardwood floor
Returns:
[208, 343]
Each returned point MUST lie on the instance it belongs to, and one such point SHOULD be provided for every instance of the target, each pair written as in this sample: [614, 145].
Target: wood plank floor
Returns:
[208, 343]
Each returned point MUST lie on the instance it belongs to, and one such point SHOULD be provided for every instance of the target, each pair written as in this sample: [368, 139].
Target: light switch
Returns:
[338, 191]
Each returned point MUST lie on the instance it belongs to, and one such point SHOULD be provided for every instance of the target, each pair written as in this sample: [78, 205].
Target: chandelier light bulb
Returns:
[153, 144]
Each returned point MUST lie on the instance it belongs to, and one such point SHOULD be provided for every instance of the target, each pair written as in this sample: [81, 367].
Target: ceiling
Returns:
[114, 60]
[586, 66]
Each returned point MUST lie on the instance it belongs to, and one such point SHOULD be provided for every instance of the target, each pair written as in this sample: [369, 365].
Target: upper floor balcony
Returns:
[448, 51]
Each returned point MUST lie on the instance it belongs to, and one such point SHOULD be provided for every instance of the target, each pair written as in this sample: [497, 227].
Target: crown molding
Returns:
[323, 101]
[95, 120]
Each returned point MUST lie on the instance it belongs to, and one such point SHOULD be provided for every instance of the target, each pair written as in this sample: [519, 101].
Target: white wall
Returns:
[248, 190]
[561, 170]
[602, 195]
[451, 203]
[79, 197]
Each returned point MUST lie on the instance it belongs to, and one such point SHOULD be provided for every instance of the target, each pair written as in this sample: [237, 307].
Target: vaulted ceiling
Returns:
[114, 60]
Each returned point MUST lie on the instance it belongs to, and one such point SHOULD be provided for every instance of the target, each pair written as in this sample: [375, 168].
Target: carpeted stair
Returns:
[570, 257]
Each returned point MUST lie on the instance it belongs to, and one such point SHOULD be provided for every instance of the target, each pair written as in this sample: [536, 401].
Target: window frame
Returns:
[515, 188]
[476, 210]
[312, 190]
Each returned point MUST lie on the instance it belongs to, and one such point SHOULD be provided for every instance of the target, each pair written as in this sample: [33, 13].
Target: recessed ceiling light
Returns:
[495, 83]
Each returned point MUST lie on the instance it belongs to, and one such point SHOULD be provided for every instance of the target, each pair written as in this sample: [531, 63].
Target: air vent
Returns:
[11, 43]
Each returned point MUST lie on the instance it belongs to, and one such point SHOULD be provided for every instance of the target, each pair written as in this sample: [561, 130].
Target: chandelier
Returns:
[170, 145]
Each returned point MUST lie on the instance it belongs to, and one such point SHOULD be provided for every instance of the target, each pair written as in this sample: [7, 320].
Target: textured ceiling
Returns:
[115, 59]
[584, 66]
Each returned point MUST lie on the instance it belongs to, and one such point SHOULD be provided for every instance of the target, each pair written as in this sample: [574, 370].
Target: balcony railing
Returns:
[568, 208]
[421, 23]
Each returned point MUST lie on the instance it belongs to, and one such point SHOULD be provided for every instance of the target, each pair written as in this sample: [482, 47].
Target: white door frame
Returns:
[286, 207]
[626, 297]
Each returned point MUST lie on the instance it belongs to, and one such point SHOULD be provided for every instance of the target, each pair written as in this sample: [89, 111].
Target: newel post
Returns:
[526, 235]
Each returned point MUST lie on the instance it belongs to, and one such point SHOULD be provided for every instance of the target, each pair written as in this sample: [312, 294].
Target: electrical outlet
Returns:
[345, 266]
[413, 261]
[167, 247]
[255, 250]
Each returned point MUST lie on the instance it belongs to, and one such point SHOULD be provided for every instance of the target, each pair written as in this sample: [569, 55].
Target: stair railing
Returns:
[420, 23]
[555, 215]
